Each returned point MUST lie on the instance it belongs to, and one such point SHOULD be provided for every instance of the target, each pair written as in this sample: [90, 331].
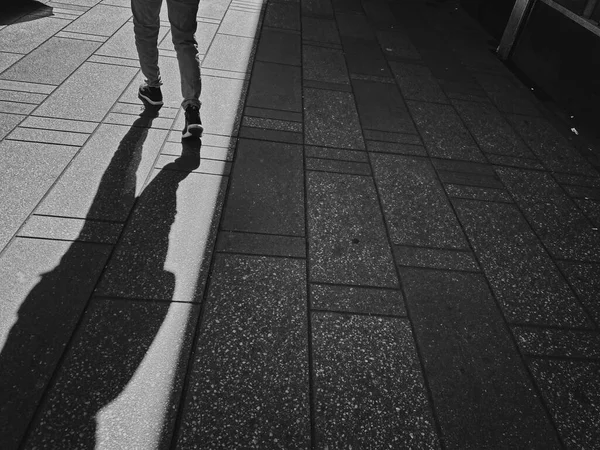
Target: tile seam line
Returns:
[51, 239]
[10, 139]
[261, 233]
[106, 221]
[417, 347]
[358, 313]
[260, 255]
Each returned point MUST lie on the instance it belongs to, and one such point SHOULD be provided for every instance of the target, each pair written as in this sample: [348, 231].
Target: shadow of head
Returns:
[16, 11]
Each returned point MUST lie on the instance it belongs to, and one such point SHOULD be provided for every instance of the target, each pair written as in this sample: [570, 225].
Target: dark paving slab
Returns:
[266, 191]
[558, 343]
[101, 391]
[273, 124]
[591, 209]
[319, 8]
[354, 25]
[478, 193]
[45, 286]
[561, 225]
[8, 122]
[261, 244]
[331, 119]
[283, 15]
[481, 392]
[443, 132]
[24, 37]
[271, 135]
[357, 300]
[511, 161]
[585, 278]
[396, 148]
[508, 96]
[347, 240]
[397, 44]
[326, 86]
[320, 30]
[369, 389]
[328, 165]
[385, 136]
[279, 46]
[68, 229]
[415, 207]
[381, 107]
[102, 20]
[324, 64]
[335, 153]
[470, 179]
[527, 284]
[571, 390]
[290, 116]
[275, 86]
[249, 381]
[417, 83]
[434, 258]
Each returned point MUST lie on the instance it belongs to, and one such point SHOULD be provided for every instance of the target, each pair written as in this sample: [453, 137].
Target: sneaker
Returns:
[151, 95]
[193, 124]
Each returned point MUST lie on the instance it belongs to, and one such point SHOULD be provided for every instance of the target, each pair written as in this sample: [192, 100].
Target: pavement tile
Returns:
[482, 394]
[22, 97]
[591, 209]
[24, 37]
[434, 258]
[249, 380]
[45, 286]
[273, 124]
[354, 25]
[443, 132]
[585, 278]
[354, 299]
[282, 15]
[81, 36]
[266, 189]
[206, 166]
[379, 13]
[16, 108]
[576, 180]
[324, 64]
[279, 46]
[350, 6]
[526, 282]
[478, 193]
[327, 86]
[414, 203]
[289, 116]
[401, 138]
[240, 23]
[270, 135]
[558, 342]
[347, 240]
[275, 86]
[101, 20]
[470, 179]
[155, 258]
[119, 44]
[381, 107]
[513, 103]
[40, 65]
[331, 119]
[8, 59]
[73, 98]
[550, 146]
[100, 394]
[11, 85]
[369, 390]
[571, 389]
[400, 149]
[365, 57]
[417, 83]
[49, 123]
[318, 8]
[335, 153]
[261, 244]
[8, 122]
[28, 171]
[213, 9]
[491, 131]
[69, 229]
[107, 174]
[48, 136]
[330, 165]
[320, 30]
[230, 53]
[583, 192]
[513, 161]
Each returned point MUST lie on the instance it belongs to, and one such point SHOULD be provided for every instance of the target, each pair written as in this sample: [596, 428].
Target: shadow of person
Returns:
[16, 11]
[114, 336]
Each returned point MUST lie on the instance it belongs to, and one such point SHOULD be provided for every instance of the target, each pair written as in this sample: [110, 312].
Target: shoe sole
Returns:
[193, 130]
[146, 99]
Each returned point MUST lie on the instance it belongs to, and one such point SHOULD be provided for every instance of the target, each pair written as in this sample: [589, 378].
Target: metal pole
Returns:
[513, 26]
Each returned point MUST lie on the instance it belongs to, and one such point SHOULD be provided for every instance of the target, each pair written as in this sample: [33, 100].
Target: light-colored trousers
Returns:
[146, 25]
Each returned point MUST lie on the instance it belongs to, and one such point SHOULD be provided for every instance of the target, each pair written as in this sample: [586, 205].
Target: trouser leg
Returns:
[146, 25]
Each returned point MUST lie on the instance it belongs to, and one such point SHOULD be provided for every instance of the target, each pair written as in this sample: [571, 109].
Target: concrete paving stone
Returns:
[8, 59]
[101, 20]
[348, 243]
[526, 282]
[261, 244]
[369, 390]
[330, 165]
[444, 134]
[326, 86]
[365, 57]
[213, 9]
[40, 65]
[317, 8]
[206, 166]
[381, 107]
[108, 174]
[400, 138]
[249, 382]
[347, 6]
[204, 36]
[558, 342]
[320, 30]
[400, 149]
[585, 278]
[491, 131]
[478, 193]
[560, 224]
[470, 179]
[470, 97]
[100, 394]
[273, 114]
[73, 98]
[48, 136]
[114, 61]
[583, 192]
[81, 3]
[417, 83]
[576, 180]
[275, 86]
[571, 389]
[48, 123]
[331, 119]
[591, 209]
[271, 135]
[155, 258]
[11, 85]
[45, 286]
[414, 203]
[379, 13]
[434, 258]
[69, 229]
[138, 109]
[273, 124]
[513, 103]
[22, 97]
[514, 161]
[81, 36]
[24, 37]
[464, 167]
[472, 90]
[352, 299]
[16, 108]
[230, 53]
[28, 172]
[482, 394]
[241, 23]
[122, 43]
[130, 120]
[334, 153]
[279, 46]
[8, 122]
[369, 67]
[283, 15]
[266, 189]
[354, 25]
[324, 64]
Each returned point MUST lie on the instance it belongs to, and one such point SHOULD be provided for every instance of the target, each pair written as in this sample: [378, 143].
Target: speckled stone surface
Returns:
[225, 53]
[434, 258]
[279, 46]
[335, 153]
[102, 20]
[369, 388]
[397, 148]
[347, 241]
[572, 391]
[110, 395]
[329, 165]
[477, 193]
[397, 43]
[324, 64]
[585, 278]
[320, 30]
[275, 86]
[558, 342]
[23, 37]
[415, 207]
[357, 299]
[261, 244]
[331, 119]
[481, 392]
[8, 122]
[354, 25]
[417, 83]
[249, 383]
[525, 280]
[69, 229]
[283, 15]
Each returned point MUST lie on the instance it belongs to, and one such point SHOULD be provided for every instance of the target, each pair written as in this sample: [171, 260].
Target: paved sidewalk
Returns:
[383, 240]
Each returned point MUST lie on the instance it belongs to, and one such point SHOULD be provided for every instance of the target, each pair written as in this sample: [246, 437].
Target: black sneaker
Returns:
[193, 124]
[151, 95]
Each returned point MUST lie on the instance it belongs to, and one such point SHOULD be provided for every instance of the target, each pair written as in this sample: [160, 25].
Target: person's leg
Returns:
[182, 15]
[146, 25]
